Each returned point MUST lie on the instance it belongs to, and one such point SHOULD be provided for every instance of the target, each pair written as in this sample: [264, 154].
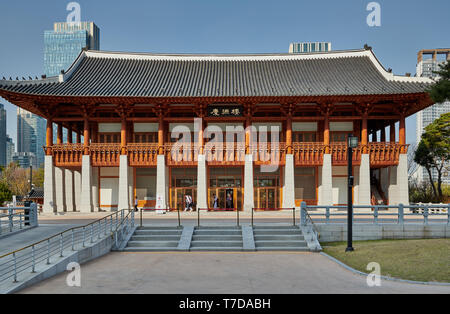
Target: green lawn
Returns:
[418, 260]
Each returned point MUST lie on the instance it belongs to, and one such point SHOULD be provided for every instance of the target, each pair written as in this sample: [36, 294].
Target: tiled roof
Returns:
[107, 74]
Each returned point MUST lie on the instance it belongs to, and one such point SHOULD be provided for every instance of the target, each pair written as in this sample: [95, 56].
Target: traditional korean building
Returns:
[125, 113]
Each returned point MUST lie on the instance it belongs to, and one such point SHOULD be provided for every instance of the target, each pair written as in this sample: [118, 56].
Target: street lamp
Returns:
[352, 143]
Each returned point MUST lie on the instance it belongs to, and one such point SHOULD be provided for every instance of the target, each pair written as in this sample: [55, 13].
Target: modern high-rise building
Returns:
[426, 68]
[25, 160]
[10, 150]
[2, 135]
[63, 44]
[310, 47]
[31, 135]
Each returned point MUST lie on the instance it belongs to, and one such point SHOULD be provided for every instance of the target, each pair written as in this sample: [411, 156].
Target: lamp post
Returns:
[352, 143]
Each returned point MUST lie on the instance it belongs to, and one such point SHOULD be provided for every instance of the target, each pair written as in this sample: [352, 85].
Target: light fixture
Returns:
[353, 141]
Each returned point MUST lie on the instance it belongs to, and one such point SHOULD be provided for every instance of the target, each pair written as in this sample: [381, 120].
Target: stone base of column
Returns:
[86, 186]
[162, 184]
[77, 189]
[398, 182]
[202, 191]
[289, 183]
[95, 189]
[249, 198]
[49, 186]
[364, 191]
[124, 202]
[326, 182]
[70, 192]
[59, 190]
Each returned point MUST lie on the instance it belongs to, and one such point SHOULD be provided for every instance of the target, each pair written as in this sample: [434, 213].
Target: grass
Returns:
[418, 260]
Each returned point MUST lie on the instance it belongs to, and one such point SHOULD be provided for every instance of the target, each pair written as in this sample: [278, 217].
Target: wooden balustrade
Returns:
[67, 155]
[105, 155]
[177, 154]
[143, 155]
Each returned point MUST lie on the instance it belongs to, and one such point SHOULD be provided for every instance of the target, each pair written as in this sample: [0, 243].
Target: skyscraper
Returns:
[10, 150]
[31, 135]
[2, 135]
[310, 47]
[64, 43]
[426, 68]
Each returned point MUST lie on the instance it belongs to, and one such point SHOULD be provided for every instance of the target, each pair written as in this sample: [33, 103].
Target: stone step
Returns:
[150, 249]
[217, 249]
[218, 228]
[281, 237]
[280, 244]
[216, 244]
[172, 244]
[160, 228]
[218, 232]
[217, 238]
[276, 232]
[157, 232]
[274, 227]
[155, 238]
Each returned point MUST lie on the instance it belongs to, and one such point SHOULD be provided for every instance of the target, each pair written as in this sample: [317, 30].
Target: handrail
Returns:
[59, 234]
[274, 210]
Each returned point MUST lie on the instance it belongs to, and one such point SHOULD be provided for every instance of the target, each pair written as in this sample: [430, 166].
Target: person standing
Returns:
[216, 202]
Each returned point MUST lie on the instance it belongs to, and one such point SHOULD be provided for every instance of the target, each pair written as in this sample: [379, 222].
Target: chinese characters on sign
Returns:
[225, 111]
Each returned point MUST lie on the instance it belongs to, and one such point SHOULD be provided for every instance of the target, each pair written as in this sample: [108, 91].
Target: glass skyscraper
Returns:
[63, 44]
[2, 135]
[31, 131]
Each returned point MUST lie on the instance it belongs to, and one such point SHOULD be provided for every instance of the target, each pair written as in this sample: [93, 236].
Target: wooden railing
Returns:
[143, 154]
[67, 155]
[308, 154]
[105, 155]
[305, 154]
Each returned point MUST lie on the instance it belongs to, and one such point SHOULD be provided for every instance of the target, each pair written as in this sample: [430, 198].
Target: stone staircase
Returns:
[157, 239]
[279, 238]
[217, 239]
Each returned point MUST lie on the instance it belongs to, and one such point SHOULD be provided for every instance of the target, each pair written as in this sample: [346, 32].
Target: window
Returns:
[110, 138]
[339, 137]
[304, 137]
[146, 137]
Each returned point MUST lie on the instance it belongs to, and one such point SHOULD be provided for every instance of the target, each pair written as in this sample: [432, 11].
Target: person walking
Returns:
[136, 203]
[216, 202]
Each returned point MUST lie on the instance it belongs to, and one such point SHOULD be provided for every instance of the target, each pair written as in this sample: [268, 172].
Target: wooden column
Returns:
[161, 136]
[200, 138]
[326, 133]
[59, 137]
[392, 137]
[383, 134]
[78, 138]
[86, 136]
[364, 133]
[123, 137]
[248, 135]
[402, 133]
[70, 135]
[49, 137]
[289, 134]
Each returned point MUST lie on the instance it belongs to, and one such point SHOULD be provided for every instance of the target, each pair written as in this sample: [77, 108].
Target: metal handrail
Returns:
[59, 234]
[274, 210]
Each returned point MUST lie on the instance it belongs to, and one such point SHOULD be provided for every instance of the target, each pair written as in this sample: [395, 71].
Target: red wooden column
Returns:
[200, 138]
[49, 137]
[383, 134]
[364, 133]
[123, 137]
[289, 134]
[59, 138]
[326, 133]
[402, 133]
[78, 138]
[161, 136]
[86, 136]
[248, 134]
[70, 135]
[392, 137]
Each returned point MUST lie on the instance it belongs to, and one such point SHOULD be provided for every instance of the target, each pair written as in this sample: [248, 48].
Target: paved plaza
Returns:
[215, 273]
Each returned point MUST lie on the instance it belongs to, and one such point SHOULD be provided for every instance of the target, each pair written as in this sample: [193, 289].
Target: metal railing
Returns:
[123, 229]
[376, 214]
[154, 210]
[28, 259]
[218, 210]
[14, 219]
[294, 219]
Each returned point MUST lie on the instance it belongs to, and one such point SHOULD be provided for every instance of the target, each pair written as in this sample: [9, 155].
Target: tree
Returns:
[440, 91]
[433, 151]
[16, 179]
[5, 193]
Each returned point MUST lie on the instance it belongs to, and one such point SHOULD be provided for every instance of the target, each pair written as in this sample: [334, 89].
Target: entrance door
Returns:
[180, 197]
[267, 198]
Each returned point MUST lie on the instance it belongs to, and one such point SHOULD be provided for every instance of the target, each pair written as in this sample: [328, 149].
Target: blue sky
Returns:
[226, 26]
